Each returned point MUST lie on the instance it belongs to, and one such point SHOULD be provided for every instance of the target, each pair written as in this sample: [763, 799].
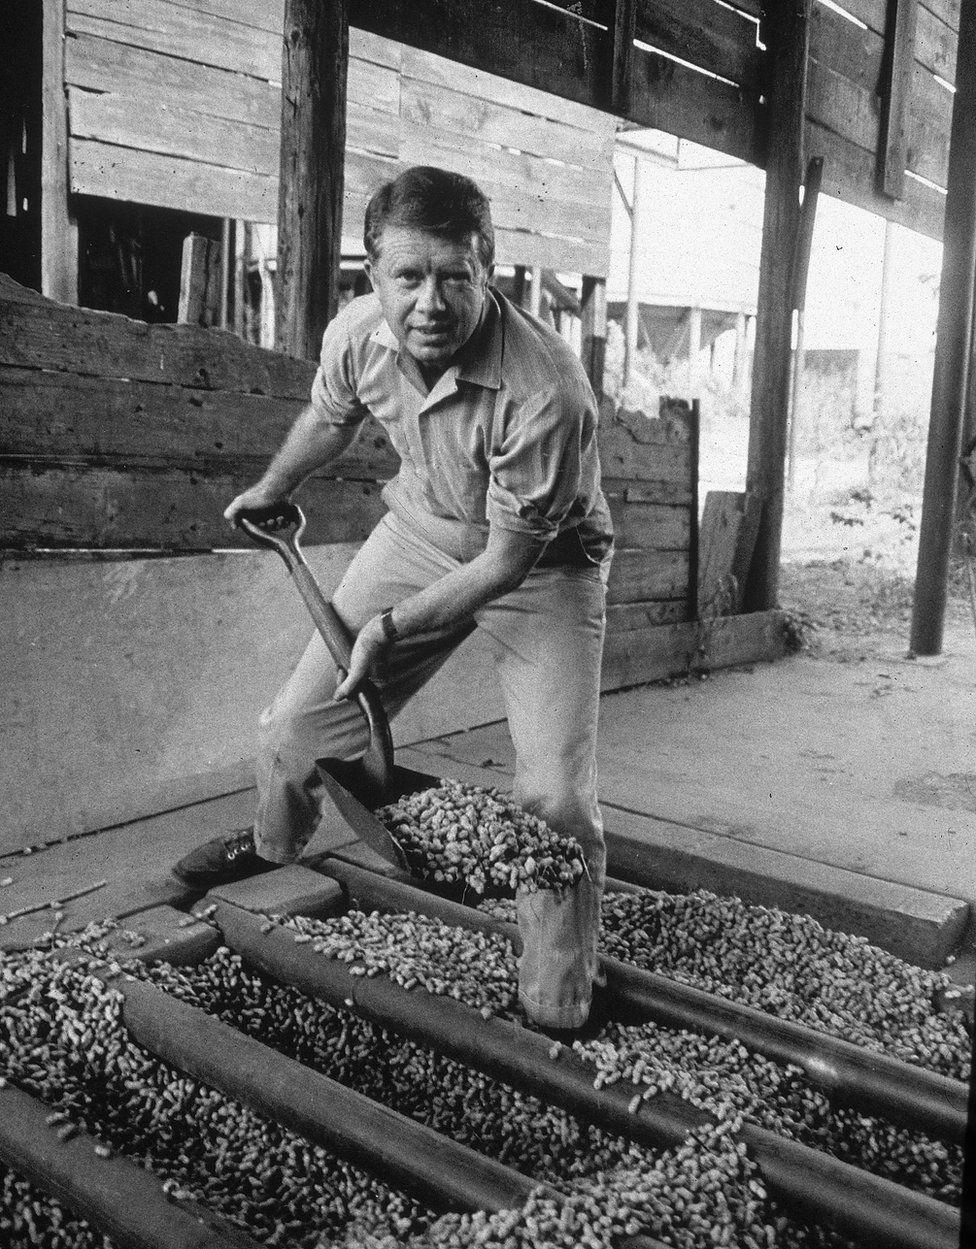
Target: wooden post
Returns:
[633, 297]
[786, 34]
[202, 282]
[59, 230]
[895, 92]
[315, 63]
[624, 21]
[952, 350]
[594, 331]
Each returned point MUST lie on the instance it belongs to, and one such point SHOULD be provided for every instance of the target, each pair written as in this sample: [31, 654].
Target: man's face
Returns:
[431, 290]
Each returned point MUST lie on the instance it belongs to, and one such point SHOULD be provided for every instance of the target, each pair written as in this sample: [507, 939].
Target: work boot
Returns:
[222, 860]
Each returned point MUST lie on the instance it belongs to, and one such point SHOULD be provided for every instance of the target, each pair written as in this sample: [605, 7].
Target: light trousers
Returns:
[546, 639]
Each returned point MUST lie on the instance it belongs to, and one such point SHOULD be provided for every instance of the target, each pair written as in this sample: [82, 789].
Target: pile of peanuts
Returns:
[62, 1038]
[476, 837]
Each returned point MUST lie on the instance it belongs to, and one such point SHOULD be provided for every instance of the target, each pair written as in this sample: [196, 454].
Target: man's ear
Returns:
[368, 270]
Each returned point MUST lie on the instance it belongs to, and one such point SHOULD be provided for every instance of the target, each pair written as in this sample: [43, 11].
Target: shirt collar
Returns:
[480, 359]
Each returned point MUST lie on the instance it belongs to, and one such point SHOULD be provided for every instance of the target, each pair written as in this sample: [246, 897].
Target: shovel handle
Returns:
[278, 528]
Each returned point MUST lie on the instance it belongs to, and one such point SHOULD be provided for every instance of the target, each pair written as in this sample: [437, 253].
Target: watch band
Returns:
[389, 628]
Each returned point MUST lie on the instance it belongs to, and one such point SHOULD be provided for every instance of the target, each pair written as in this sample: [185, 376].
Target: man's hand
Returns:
[258, 495]
[368, 649]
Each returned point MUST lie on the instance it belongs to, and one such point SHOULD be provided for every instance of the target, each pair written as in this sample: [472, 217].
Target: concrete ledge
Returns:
[291, 890]
[916, 924]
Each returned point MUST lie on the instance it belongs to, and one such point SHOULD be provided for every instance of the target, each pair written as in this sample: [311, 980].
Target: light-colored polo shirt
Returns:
[506, 437]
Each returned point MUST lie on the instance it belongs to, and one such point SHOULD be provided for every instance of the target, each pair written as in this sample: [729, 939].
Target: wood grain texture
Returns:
[58, 230]
[170, 182]
[179, 31]
[638, 575]
[844, 84]
[94, 508]
[46, 335]
[311, 173]
[633, 617]
[787, 33]
[104, 420]
[849, 175]
[708, 35]
[729, 523]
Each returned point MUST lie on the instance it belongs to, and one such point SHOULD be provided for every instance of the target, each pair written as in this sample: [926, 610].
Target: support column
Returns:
[59, 230]
[786, 33]
[633, 297]
[594, 331]
[315, 63]
[952, 350]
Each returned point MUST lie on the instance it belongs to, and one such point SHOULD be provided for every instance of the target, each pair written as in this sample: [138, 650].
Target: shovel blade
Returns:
[350, 786]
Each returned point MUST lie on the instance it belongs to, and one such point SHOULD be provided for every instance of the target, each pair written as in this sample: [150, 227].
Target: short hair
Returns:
[435, 200]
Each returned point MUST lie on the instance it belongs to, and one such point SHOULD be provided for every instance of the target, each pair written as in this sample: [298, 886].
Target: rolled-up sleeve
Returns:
[334, 397]
[535, 474]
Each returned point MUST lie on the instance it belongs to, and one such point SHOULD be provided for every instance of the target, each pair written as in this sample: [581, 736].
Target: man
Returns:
[496, 520]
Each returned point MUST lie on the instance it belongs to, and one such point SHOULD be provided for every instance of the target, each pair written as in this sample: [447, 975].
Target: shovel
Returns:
[355, 784]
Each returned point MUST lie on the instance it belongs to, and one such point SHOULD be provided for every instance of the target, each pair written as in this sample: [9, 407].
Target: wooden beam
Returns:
[315, 66]
[59, 230]
[786, 34]
[624, 25]
[952, 352]
[594, 330]
[895, 94]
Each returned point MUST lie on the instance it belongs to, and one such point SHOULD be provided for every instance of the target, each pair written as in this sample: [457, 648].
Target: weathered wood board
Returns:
[730, 521]
[180, 107]
[177, 105]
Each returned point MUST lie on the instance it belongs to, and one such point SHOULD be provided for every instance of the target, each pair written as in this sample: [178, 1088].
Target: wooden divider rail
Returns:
[870, 1083]
[123, 1200]
[815, 1186]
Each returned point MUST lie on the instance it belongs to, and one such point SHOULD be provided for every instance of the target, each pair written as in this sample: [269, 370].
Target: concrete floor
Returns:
[865, 766]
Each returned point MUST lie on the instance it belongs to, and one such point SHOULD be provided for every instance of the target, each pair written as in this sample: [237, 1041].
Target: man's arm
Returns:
[311, 443]
[502, 566]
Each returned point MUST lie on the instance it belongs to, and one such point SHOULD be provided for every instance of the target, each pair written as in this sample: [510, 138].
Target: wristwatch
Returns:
[389, 628]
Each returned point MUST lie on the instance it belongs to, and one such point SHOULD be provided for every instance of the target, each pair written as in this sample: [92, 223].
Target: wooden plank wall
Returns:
[118, 435]
[178, 105]
[844, 108]
[115, 434]
[713, 98]
[138, 678]
[175, 102]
